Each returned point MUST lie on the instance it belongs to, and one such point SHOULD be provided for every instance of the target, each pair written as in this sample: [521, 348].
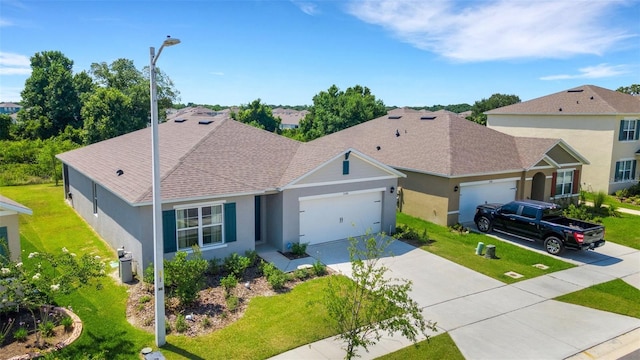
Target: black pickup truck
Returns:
[540, 221]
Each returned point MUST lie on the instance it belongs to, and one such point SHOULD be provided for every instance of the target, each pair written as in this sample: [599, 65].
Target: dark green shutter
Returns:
[230, 222]
[620, 138]
[637, 129]
[345, 167]
[616, 176]
[4, 242]
[257, 228]
[169, 231]
[633, 170]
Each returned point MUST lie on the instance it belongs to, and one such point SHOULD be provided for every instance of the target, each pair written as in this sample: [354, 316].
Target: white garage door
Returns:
[472, 195]
[339, 216]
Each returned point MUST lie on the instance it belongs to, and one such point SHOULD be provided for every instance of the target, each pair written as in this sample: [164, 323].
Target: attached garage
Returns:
[482, 192]
[341, 215]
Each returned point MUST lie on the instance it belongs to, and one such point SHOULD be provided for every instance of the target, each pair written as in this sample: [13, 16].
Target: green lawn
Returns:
[270, 326]
[460, 248]
[437, 347]
[612, 200]
[623, 230]
[614, 296]
[54, 225]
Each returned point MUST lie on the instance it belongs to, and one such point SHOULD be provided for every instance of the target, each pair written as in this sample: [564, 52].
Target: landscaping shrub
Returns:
[598, 199]
[228, 283]
[181, 324]
[301, 274]
[275, 277]
[184, 277]
[253, 257]
[299, 249]
[214, 267]
[318, 268]
[20, 334]
[232, 303]
[206, 322]
[148, 275]
[67, 322]
[236, 264]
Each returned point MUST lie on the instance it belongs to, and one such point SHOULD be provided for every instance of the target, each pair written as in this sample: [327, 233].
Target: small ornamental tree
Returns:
[34, 287]
[362, 309]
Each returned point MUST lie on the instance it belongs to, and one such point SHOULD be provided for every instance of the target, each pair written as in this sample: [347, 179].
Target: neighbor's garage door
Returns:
[474, 194]
[339, 216]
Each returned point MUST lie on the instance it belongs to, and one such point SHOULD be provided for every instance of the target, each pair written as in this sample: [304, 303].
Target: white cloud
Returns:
[5, 23]
[14, 64]
[592, 72]
[498, 29]
[308, 8]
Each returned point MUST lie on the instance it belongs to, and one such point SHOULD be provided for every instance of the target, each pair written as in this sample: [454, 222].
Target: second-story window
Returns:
[629, 130]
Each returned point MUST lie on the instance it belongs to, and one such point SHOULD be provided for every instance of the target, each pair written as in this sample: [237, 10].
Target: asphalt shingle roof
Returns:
[439, 143]
[586, 99]
[197, 161]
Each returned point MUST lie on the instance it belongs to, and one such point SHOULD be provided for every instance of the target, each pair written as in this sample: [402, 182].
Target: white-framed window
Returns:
[564, 182]
[628, 130]
[199, 225]
[625, 170]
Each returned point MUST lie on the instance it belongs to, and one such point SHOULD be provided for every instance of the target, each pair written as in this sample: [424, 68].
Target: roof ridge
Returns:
[179, 162]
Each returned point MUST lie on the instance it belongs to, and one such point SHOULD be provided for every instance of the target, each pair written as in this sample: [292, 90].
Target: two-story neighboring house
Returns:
[601, 124]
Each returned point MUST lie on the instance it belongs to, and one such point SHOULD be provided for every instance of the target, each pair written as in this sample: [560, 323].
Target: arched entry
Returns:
[537, 186]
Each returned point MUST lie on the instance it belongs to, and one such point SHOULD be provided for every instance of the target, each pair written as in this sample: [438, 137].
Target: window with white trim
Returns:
[628, 130]
[625, 170]
[200, 226]
[564, 182]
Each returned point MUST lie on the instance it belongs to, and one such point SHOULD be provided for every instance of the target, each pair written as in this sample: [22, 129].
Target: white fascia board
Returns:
[352, 152]
[489, 181]
[210, 198]
[338, 182]
[17, 209]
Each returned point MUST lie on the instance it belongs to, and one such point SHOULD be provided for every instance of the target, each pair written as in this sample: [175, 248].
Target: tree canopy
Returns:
[493, 102]
[334, 110]
[259, 115]
[633, 89]
[50, 100]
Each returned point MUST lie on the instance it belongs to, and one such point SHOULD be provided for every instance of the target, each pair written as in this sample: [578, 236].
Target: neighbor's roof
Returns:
[220, 158]
[586, 99]
[289, 116]
[440, 143]
[8, 204]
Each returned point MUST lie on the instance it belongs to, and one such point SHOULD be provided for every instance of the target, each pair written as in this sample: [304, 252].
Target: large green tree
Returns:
[5, 126]
[493, 102]
[50, 101]
[108, 113]
[633, 89]
[334, 110]
[259, 115]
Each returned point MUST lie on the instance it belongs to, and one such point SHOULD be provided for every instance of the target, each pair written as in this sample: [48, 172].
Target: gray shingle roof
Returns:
[10, 204]
[439, 143]
[586, 99]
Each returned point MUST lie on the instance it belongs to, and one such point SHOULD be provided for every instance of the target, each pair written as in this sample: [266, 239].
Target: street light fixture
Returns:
[158, 244]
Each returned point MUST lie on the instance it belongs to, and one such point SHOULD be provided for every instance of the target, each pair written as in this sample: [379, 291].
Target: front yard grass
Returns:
[623, 230]
[612, 200]
[615, 296]
[460, 248]
[270, 325]
[438, 347]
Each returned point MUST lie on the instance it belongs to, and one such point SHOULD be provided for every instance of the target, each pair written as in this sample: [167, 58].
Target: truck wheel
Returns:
[484, 224]
[553, 245]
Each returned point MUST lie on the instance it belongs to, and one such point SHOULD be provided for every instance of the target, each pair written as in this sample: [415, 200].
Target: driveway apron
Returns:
[488, 319]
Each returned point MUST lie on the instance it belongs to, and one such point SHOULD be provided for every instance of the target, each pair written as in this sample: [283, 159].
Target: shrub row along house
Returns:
[226, 186]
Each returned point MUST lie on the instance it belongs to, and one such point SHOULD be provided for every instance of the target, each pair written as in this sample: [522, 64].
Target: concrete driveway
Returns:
[491, 320]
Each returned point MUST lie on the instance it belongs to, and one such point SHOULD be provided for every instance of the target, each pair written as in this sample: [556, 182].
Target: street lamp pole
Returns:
[158, 244]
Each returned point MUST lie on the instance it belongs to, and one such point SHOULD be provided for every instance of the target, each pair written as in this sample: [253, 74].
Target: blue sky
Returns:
[409, 53]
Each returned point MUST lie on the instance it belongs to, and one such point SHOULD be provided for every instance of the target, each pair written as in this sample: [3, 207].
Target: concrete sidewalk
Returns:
[491, 320]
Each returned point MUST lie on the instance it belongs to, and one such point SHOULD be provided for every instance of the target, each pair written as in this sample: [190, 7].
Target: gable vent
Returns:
[395, 117]
[205, 122]
[179, 120]
[575, 90]
[427, 118]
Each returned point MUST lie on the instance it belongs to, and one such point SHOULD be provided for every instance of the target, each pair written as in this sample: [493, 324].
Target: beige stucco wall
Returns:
[10, 220]
[594, 137]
